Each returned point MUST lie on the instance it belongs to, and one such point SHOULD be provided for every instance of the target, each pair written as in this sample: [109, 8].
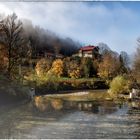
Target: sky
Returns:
[116, 24]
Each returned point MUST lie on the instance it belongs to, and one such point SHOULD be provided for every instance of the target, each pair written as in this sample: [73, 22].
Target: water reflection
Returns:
[41, 103]
[57, 104]
[55, 117]
[97, 107]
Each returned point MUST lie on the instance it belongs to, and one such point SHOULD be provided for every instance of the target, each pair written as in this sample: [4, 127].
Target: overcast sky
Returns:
[115, 23]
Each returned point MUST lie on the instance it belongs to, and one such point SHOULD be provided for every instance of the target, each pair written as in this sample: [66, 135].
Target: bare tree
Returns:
[11, 36]
[103, 48]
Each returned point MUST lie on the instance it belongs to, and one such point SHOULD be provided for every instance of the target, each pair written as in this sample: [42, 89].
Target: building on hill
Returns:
[88, 51]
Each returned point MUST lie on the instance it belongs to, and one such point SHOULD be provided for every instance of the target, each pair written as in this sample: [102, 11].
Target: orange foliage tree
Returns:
[109, 67]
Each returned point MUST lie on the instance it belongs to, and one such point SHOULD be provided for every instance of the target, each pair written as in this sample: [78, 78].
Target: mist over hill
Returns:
[45, 40]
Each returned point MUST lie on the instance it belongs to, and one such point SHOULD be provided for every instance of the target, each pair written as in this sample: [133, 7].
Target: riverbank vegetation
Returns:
[119, 85]
[22, 59]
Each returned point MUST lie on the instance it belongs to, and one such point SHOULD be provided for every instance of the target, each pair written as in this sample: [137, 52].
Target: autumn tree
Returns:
[74, 70]
[87, 67]
[109, 66]
[72, 67]
[11, 36]
[57, 67]
[95, 67]
[66, 63]
[43, 66]
[136, 64]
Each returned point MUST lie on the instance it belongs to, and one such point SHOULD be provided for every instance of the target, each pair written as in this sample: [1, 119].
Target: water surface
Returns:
[71, 116]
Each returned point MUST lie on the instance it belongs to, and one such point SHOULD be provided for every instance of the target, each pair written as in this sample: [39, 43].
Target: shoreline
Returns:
[71, 92]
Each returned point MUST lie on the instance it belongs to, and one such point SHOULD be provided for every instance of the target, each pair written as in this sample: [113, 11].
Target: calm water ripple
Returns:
[71, 120]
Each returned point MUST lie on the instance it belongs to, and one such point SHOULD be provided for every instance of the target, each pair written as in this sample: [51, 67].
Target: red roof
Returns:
[87, 48]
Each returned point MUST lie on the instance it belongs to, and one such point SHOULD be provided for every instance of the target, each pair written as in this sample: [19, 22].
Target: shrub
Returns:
[119, 85]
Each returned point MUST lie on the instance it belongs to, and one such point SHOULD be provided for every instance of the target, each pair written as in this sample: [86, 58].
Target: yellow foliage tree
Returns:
[109, 67]
[74, 70]
[43, 66]
[75, 73]
[57, 67]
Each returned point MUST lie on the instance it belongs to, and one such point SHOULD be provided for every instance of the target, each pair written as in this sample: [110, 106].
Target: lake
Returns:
[87, 114]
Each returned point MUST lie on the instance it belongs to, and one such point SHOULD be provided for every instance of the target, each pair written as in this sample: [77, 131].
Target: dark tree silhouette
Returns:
[11, 36]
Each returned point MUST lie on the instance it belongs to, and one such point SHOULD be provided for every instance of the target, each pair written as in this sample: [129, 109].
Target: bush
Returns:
[119, 85]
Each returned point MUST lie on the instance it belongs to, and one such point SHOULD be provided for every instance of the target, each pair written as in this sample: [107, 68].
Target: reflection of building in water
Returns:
[88, 106]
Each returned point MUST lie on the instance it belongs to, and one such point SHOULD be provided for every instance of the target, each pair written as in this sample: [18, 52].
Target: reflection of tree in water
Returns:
[96, 107]
[44, 104]
[41, 103]
[57, 104]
